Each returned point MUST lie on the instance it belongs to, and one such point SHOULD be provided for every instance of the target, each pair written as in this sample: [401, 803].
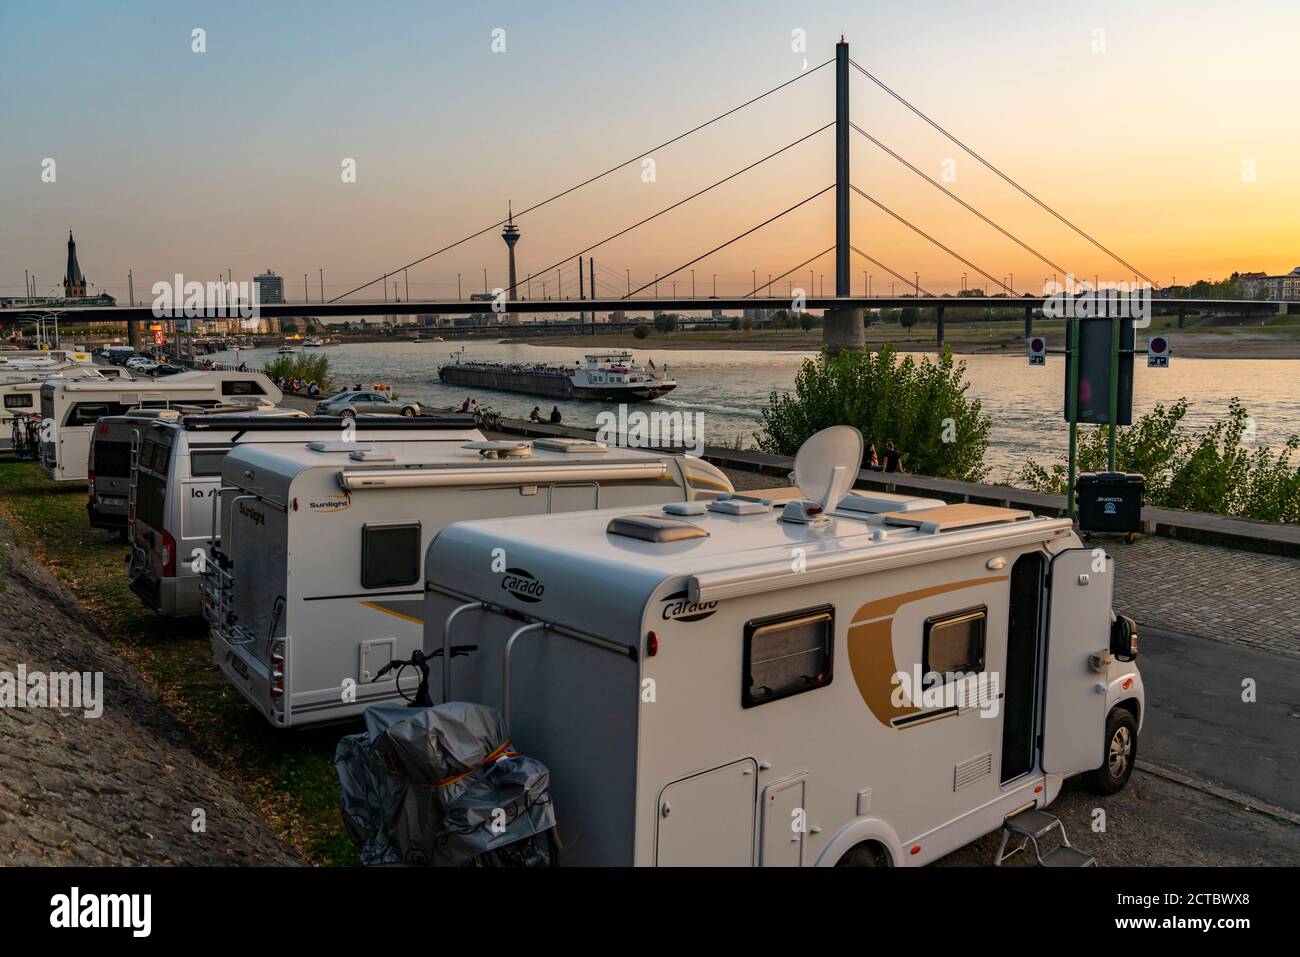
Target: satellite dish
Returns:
[827, 464]
[501, 449]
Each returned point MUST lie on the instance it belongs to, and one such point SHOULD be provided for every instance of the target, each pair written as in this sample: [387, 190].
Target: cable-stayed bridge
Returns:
[603, 290]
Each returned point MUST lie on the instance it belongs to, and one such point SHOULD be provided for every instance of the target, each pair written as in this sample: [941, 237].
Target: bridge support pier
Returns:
[842, 329]
[938, 324]
[1029, 322]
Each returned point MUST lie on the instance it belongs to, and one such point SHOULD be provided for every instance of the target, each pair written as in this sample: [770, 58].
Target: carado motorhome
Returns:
[73, 407]
[178, 472]
[759, 682]
[319, 580]
[20, 392]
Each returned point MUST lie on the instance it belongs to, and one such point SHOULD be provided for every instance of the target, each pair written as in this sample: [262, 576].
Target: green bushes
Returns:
[921, 406]
[1216, 471]
[299, 365]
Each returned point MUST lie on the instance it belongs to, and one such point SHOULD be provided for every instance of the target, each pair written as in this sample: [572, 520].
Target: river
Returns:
[729, 388]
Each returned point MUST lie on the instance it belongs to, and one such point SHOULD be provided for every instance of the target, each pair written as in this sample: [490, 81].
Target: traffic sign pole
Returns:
[1072, 398]
[1114, 392]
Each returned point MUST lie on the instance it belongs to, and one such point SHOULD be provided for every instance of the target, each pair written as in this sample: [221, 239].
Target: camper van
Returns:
[20, 392]
[75, 406]
[112, 448]
[856, 678]
[319, 582]
[178, 472]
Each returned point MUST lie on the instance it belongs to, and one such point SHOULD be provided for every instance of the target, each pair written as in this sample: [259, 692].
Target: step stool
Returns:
[1031, 825]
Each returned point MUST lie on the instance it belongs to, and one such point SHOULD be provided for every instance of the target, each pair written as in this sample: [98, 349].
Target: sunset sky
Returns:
[1140, 122]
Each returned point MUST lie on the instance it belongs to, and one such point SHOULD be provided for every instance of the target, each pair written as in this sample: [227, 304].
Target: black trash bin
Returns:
[1110, 501]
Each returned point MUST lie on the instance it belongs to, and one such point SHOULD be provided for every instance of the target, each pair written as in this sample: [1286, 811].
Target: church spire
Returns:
[74, 283]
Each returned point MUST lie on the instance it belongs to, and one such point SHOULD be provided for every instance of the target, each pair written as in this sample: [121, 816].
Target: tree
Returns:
[805, 321]
[641, 331]
[907, 317]
[919, 406]
[665, 322]
[734, 324]
[747, 324]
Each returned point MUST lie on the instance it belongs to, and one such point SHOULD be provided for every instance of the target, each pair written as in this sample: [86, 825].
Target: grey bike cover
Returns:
[415, 788]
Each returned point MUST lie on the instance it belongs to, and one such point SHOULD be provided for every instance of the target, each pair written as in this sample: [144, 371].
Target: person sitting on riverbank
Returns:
[535, 415]
[869, 459]
[464, 406]
[893, 461]
[555, 415]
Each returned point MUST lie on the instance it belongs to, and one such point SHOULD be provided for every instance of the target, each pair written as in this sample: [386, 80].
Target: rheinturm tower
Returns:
[74, 283]
[511, 235]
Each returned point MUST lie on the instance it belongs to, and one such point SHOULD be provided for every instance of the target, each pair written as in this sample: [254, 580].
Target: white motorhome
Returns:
[756, 682]
[319, 580]
[177, 473]
[73, 406]
[20, 392]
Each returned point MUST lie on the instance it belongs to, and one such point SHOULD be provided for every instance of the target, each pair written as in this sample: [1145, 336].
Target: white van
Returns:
[757, 682]
[318, 583]
[177, 472]
[73, 406]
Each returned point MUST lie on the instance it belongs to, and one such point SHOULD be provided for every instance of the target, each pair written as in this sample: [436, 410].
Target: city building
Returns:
[1264, 286]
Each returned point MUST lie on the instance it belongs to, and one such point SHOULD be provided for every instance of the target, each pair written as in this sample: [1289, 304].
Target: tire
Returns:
[408, 411]
[863, 855]
[348, 414]
[1120, 755]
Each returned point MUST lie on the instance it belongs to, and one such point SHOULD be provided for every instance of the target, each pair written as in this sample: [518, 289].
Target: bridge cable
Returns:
[687, 199]
[591, 179]
[898, 276]
[1003, 175]
[957, 199]
[768, 284]
[753, 229]
[922, 232]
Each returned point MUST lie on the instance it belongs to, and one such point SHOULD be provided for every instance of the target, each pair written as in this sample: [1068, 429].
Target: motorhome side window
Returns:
[787, 654]
[22, 400]
[241, 387]
[954, 644]
[390, 555]
[207, 462]
[87, 413]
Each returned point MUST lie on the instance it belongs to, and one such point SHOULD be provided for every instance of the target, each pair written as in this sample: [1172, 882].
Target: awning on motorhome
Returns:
[500, 475]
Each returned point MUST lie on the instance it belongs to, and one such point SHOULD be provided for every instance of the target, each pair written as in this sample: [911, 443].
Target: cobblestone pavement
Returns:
[118, 789]
[1240, 597]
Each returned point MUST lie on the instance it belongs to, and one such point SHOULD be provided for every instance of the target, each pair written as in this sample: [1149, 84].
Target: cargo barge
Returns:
[606, 375]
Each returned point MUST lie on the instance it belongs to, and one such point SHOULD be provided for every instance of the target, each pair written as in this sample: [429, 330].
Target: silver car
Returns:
[365, 403]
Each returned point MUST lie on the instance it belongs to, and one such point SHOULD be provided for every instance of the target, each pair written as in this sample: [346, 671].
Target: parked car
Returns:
[365, 403]
[165, 369]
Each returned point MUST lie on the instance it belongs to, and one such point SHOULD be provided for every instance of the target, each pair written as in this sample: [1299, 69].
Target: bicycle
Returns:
[488, 419]
[25, 436]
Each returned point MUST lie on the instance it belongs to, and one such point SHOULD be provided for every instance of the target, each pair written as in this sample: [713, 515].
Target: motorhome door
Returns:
[1078, 627]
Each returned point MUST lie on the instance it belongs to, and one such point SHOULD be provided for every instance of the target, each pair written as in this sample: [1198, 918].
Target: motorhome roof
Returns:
[409, 461]
[741, 554]
[179, 382]
[327, 423]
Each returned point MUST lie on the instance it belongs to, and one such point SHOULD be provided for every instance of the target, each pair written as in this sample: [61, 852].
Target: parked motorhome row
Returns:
[177, 474]
[319, 581]
[71, 408]
[758, 682]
